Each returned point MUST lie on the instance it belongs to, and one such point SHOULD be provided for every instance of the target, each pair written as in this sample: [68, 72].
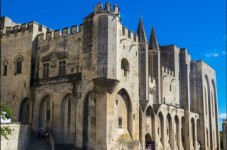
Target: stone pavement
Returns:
[37, 144]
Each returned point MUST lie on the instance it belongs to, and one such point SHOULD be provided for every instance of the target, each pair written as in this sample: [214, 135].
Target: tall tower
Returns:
[154, 64]
[143, 65]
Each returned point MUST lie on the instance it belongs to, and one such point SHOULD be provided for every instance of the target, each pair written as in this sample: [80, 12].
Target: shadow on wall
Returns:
[19, 139]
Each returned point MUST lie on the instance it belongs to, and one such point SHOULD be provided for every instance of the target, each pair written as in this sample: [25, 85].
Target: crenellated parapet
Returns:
[61, 33]
[167, 72]
[22, 28]
[128, 34]
[109, 8]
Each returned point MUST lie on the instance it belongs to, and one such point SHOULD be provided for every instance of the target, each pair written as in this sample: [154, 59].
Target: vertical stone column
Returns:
[56, 129]
[224, 129]
[179, 141]
[101, 120]
[164, 133]
[103, 89]
[196, 140]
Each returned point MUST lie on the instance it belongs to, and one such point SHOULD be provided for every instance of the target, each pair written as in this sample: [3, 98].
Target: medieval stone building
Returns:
[101, 86]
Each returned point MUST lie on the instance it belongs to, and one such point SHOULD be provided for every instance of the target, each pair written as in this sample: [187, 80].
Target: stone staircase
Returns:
[36, 143]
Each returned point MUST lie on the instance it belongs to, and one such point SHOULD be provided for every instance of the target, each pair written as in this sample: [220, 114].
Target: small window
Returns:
[5, 70]
[120, 122]
[116, 102]
[170, 88]
[19, 66]
[61, 67]
[125, 66]
[158, 131]
[46, 70]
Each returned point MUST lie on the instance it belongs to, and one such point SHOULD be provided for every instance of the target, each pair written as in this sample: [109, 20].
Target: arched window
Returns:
[125, 66]
[18, 63]
[5, 67]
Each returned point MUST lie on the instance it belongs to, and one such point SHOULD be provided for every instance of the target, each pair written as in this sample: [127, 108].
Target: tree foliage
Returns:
[6, 112]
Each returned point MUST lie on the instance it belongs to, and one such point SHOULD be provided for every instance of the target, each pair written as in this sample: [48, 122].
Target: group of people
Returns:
[43, 134]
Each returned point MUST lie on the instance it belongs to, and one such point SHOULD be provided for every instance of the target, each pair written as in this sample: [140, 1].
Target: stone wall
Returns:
[19, 139]
[224, 130]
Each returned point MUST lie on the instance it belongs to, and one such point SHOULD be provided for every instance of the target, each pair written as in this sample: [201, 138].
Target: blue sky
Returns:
[198, 25]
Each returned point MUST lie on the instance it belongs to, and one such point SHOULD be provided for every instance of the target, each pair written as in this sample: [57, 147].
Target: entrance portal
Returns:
[149, 144]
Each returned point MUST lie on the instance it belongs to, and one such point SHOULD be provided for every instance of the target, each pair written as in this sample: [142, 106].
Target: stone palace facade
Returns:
[101, 86]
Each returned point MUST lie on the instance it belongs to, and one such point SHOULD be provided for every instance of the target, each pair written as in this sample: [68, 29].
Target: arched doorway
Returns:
[66, 118]
[123, 111]
[150, 121]
[169, 131]
[161, 128]
[45, 113]
[24, 114]
[149, 143]
[89, 120]
[177, 132]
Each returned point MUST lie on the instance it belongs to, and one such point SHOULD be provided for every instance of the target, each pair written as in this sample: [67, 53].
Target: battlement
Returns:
[6, 31]
[109, 8]
[22, 28]
[129, 34]
[168, 71]
[61, 33]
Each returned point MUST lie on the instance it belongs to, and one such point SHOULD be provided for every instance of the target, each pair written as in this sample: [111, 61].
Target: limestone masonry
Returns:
[101, 86]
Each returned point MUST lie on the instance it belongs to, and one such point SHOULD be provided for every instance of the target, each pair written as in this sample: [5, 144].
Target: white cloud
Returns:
[222, 116]
[214, 54]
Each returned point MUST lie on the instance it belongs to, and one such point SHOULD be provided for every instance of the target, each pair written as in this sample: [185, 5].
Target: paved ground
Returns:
[36, 143]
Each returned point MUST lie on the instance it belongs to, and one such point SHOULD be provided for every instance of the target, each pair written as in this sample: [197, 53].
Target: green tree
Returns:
[6, 112]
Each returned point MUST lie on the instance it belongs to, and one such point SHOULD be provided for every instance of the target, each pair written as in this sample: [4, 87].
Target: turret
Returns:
[154, 64]
[108, 8]
[143, 64]
[153, 43]
[141, 31]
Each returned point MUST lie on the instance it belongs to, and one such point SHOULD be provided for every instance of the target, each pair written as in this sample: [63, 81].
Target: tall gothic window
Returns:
[18, 65]
[61, 70]
[46, 70]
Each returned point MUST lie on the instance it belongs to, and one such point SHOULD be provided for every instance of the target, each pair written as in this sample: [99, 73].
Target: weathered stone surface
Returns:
[98, 86]
[19, 138]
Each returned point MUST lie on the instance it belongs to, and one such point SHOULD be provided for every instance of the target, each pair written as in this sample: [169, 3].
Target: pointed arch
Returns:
[149, 143]
[177, 131]
[124, 109]
[89, 119]
[45, 112]
[18, 63]
[24, 114]
[150, 121]
[66, 118]
[169, 130]
[161, 128]
[5, 67]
